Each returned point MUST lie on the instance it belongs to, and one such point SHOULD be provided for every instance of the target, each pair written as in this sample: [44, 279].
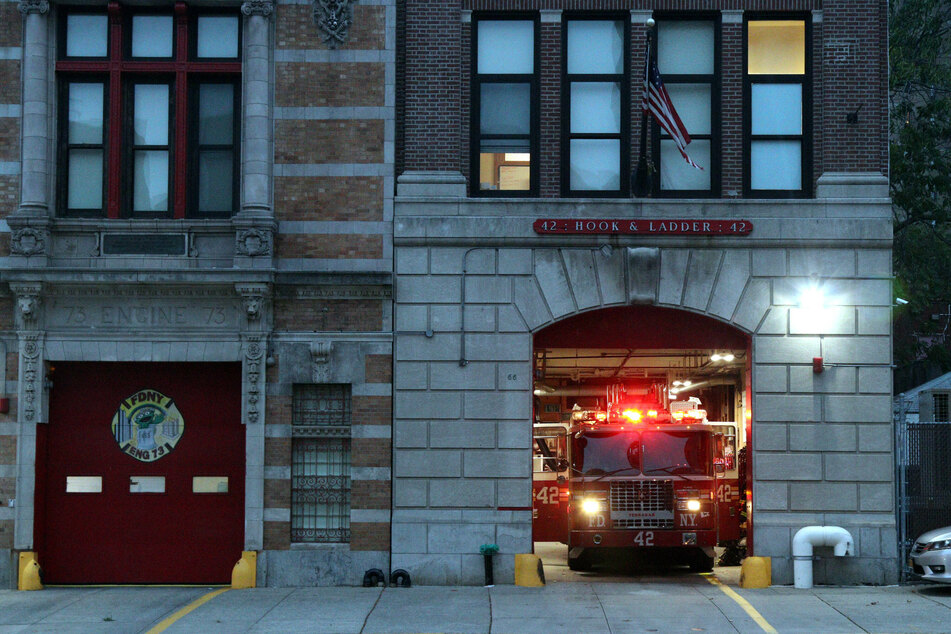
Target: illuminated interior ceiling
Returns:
[606, 364]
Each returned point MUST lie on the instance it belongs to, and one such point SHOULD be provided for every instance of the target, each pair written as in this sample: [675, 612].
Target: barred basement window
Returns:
[320, 464]
[940, 407]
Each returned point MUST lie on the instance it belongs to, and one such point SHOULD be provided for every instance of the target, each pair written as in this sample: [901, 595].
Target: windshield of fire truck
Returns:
[603, 452]
[677, 453]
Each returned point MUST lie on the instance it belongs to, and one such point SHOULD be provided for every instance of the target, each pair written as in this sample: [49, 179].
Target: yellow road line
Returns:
[743, 603]
[166, 623]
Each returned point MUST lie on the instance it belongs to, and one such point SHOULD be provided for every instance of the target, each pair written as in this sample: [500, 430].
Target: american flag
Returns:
[657, 102]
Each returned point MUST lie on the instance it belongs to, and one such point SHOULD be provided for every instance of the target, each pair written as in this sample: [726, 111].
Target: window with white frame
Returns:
[505, 103]
[687, 61]
[320, 463]
[596, 105]
[777, 97]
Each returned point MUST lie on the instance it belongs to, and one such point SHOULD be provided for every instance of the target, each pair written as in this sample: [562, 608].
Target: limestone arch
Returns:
[715, 283]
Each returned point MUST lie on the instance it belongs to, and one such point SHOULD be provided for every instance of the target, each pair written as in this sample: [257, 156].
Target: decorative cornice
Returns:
[263, 8]
[334, 18]
[337, 292]
[27, 7]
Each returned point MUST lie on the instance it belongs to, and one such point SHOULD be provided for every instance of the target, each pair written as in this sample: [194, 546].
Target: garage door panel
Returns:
[147, 430]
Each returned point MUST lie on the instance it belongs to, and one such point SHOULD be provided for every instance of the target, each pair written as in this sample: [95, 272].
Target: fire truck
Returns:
[645, 479]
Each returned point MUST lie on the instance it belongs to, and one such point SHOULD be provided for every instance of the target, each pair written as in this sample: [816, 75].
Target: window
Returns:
[505, 107]
[148, 113]
[686, 53]
[320, 463]
[777, 104]
[595, 106]
[940, 402]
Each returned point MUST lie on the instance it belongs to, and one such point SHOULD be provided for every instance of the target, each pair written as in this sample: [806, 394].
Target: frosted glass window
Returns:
[215, 114]
[150, 180]
[214, 180]
[595, 164]
[776, 47]
[84, 484]
[692, 102]
[85, 113]
[84, 185]
[506, 47]
[210, 484]
[776, 165]
[86, 35]
[147, 484]
[685, 47]
[151, 36]
[777, 108]
[151, 114]
[596, 107]
[505, 109]
[217, 36]
[595, 47]
[676, 173]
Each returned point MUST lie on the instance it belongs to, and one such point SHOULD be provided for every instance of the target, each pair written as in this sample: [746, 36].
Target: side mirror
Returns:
[720, 467]
[562, 464]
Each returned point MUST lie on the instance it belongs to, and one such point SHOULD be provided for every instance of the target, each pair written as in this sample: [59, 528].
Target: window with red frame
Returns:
[148, 117]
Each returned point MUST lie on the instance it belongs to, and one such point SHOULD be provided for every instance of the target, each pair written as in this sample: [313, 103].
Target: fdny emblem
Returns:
[147, 425]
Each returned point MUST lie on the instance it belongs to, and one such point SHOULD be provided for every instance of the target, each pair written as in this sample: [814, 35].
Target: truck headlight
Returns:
[688, 505]
[591, 506]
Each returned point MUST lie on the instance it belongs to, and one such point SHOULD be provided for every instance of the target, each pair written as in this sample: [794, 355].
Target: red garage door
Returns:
[140, 474]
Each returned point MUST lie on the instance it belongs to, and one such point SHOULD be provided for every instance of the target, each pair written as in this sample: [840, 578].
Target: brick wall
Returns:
[333, 137]
[849, 69]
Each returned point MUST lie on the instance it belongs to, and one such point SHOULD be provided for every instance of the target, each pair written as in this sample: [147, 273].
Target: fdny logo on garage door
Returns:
[147, 425]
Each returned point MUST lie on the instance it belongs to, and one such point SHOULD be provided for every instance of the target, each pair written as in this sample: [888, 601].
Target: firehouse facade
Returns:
[307, 278]
[534, 275]
[197, 322]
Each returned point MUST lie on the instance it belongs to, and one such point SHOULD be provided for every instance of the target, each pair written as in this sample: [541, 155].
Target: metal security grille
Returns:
[923, 474]
[320, 464]
[643, 497]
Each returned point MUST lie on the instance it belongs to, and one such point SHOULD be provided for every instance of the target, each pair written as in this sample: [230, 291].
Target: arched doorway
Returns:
[654, 381]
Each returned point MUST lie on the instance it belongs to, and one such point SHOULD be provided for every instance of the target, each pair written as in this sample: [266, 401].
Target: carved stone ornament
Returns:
[29, 241]
[33, 6]
[254, 297]
[254, 349]
[257, 7]
[253, 242]
[334, 18]
[320, 352]
[28, 300]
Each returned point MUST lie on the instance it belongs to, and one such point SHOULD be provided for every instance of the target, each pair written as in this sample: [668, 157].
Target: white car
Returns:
[931, 555]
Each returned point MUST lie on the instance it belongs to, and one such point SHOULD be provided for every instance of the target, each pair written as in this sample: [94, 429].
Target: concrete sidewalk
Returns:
[668, 603]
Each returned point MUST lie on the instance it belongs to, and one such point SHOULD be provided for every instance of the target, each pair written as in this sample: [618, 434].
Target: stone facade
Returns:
[474, 282]
[305, 260]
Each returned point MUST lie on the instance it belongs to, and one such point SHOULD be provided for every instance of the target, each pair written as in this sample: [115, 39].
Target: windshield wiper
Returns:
[669, 470]
[604, 475]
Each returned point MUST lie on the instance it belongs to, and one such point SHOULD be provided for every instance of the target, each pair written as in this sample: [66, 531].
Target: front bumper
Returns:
[934, 565]
[638, 538]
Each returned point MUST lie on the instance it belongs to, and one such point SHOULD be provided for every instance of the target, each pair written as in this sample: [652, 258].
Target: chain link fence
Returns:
[923, 479]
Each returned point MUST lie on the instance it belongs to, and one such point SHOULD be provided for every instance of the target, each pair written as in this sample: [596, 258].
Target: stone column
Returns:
[254, 357]
[30, 223]
[254, 224]
[31, 405]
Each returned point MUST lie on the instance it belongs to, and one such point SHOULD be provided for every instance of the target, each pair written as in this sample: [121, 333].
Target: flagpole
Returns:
[642, 177]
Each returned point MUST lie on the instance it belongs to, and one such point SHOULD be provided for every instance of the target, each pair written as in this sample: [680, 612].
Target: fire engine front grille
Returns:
[637, 497]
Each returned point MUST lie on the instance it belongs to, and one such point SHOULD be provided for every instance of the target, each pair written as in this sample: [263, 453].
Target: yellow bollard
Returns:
[29, 575]
[245, 572]
[529, 571]
[756, 572]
